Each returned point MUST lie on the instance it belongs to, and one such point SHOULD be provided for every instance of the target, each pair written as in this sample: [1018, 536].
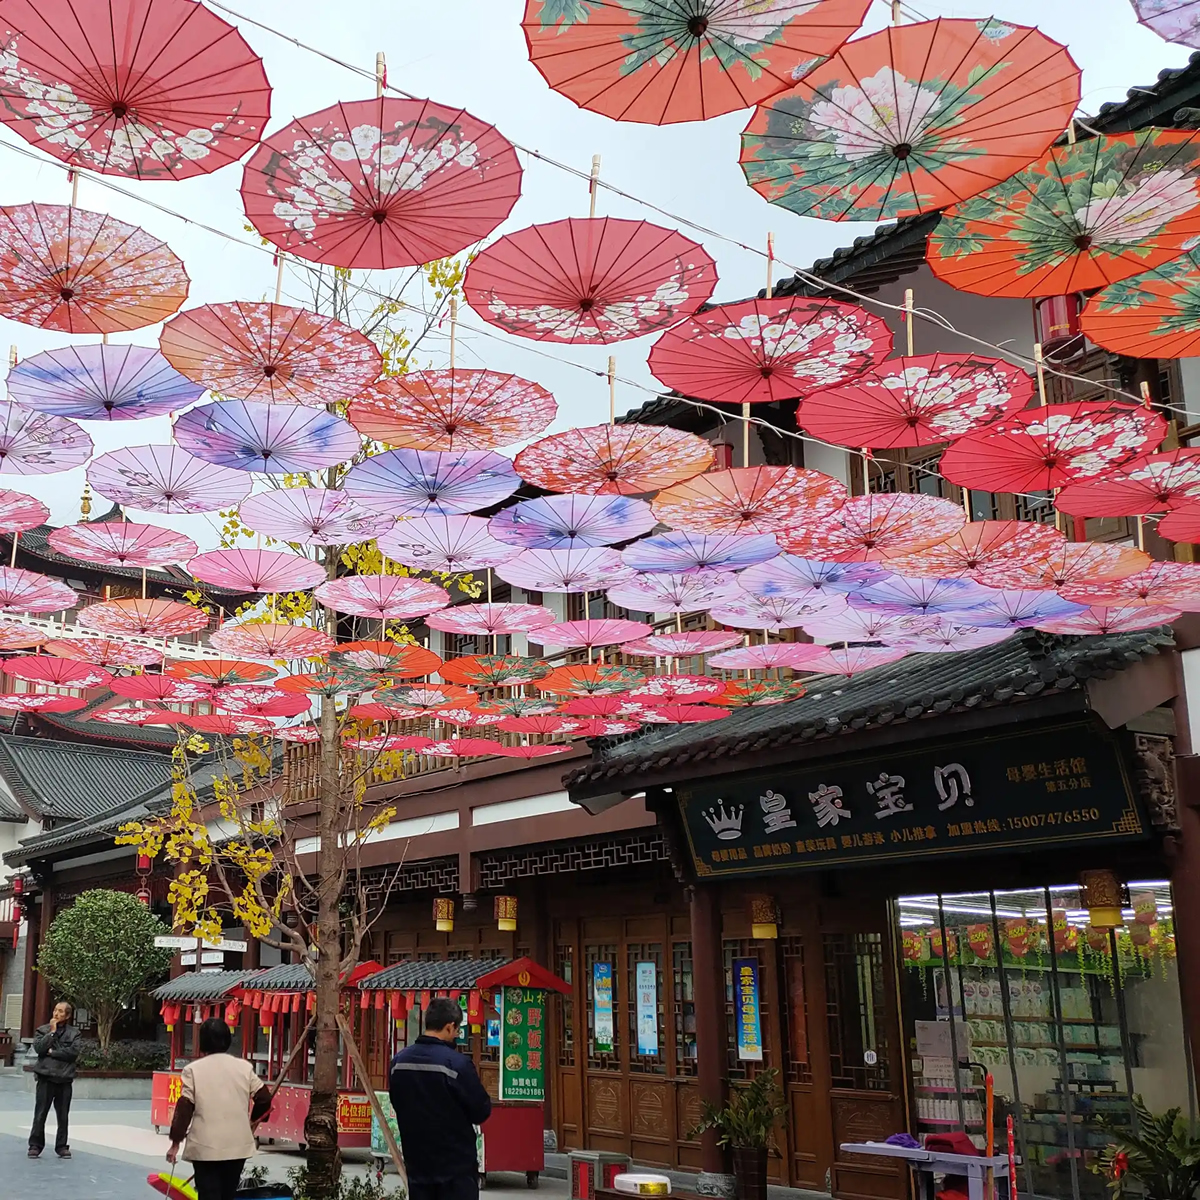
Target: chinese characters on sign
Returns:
[1013, 789]
[522, 1044]
[647, 1007]
[353, 1114]
[745, 991]
[602, 1007]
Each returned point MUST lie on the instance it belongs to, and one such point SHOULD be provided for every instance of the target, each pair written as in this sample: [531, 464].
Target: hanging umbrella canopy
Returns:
[853, 660]
[1152, 483]
[297, 733]
[589, 281]
[219, 672]
[582, 727]
[683, 714]
[34, 443]
[773, 613]
[426, 483]
[492, 619]
[873, 527]
[277, 439]
[610, 707]
[587, 570]
[395, 659]
[1173, 20]
[151, 89]
[1069, 564]
[381, 183]
[1161, 585]
[382, 597]
[538, 750]
[101, 383]
[590, 679]
[1020, 609]
[911, 119]
[516, 706]
[281, 704]
[256, 570]
[122, 543]
[677, 689]
[1181, 525]
[919, 597]
[683, 644]
[662, 63]
[977, 548]
[40, 702]
[270, 352]
[545, 726]
[769, 349]
[428, 696]
[60, 672]
[610, 459]
[444, 543]
[104, 652]
[675, 592]
[748, 693]
[452, 410]
[682, 551]
[271, 640]
[1044, 448]
[605, 631]
[142, 618]
[494, 670]
[330, 681]
[916, 401]
[161, 688]
[1082, 217]
[750, 500]
[84, 272]
[791, 577]
[945, 635]
[165, 479]
[14, 636]
[311, 516]
[129, 714]
[772, 656]
[227, 724]
[572, 522]
[31, 592]
[866, 625]
[19, 512]
[1100, 620]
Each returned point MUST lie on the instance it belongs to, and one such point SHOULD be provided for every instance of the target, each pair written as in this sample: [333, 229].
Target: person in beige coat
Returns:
[221, 1100]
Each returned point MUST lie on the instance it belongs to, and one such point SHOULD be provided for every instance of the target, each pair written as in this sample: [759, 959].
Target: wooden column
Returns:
[253, 956]
[1185, 883]
[29, 985]
[708, 983]
[41, 1012]
[541, 950]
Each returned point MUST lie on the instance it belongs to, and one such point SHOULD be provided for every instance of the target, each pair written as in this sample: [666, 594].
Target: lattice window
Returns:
[684, 1003]
[564, 959]
[880, 479]
[645, 1064]
[740, 1068]
[1035, 506]
[795, 997]
[855, 1011]
[607, 1060]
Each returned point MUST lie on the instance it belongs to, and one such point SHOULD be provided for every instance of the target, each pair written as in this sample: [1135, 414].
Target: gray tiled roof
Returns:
[287, 977]
[201, 985]
[422, 976]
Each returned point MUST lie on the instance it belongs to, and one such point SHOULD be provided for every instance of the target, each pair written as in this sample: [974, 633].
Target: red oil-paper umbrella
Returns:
[219, 672]
[61, 672]
[1072, 564]
[227, 723]
[661, 63]
[271, 640]
[122, 543]
[382, 597]
[611, 707]
[588, 679]
[152, 89]
[256, 570]
[596, 727]
[452, 410]
[297, 733]
[466, 718]
[129, 714]
[607, 459]
[678, 689]
[381, 183]
[977, 547]
[1100, 620]
[750, 500]
[104, 652]
[84, 272]
[769, 349]
[1153, 483]
[282, 704]
[1161, 585]
[395, 659]
[872, 527]
[916, 401]
[492, 619]
[1181, 524]
[589, 280]
[751, 693]
[1046, 448]
[15, 636]
[683, 714]
[40, 702]
[548, 724]
[524, 750]
[270, 352]
[161, 688]
[32, 592]
[144, 618]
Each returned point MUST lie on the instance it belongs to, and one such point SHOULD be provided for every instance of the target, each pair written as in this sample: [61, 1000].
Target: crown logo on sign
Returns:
[726, 825]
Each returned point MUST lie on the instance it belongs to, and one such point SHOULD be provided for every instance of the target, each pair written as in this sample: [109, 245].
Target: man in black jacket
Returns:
[438, 1100]
[57, 1047]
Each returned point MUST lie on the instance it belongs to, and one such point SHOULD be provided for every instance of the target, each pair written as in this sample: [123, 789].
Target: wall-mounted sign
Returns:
[646, 984]
[1016, 789]
[522, 1044]
[746, 1010]
[602, 1007]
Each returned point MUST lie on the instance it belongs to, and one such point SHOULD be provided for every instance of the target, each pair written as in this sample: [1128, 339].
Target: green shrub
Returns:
[122, 1056]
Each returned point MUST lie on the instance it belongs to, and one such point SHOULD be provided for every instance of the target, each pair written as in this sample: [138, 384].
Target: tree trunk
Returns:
[104, 1027]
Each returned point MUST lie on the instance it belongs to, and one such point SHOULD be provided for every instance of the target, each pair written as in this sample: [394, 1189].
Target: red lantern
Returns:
[143, 894]
[426, 996]
[170, 1015]
[399, 1007]
[475, 1010]
[1066, 937]
[364, 1000]
[233, 1013]
[1058, 327]
[18, 884]
[144, 864]
[380, 999]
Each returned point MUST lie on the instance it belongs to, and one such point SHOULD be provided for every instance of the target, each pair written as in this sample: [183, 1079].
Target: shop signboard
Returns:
[602, 1007]
[1006, 790]
[646, 983]
[749, 1024]
[379, 1146]
[522, 1044]
[353, 1113]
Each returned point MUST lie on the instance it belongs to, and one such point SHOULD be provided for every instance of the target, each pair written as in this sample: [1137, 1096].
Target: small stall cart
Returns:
[505, 1035]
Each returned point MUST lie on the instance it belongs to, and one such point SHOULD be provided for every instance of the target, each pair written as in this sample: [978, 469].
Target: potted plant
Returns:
[745, 1125]
[1159, 1154]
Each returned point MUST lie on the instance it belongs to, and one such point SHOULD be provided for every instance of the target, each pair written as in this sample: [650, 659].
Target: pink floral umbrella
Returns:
[311, 516]
[272, 641]
[749, 500]
[465, 718]
[689, 591]
[853, 660]
[445, 543]
[104, 652]
[773, 613]
[491, 619]
[607, 631]
[160, 688]
[684, 644]
[586, 570]
[382, 597]
[544, 726]
[572, 522]
[122, 544]
[256, 570]
[19, 512]
[28, 591]
[919, 597]
[620, 707]
[420, 483]
[40, 702]
[946, 635]
[1100, 620]
[143, 618]
[682, 551]
[864, 625]
[282, 704]
[128, 714]
[1067, 565]
[60, 672]
[165, 479]
[1182, 524]
[677, 689]
[542, 750]
[14, 636]
[871, 528]
[1150, 484]
[452, 410]
[1017, 609]
[227, 724]
[34, 443]
[270, 352]
[276, 439]
[977, 548]
[592, 728]
[1161, 585]
[84, 272]
[101, 383]
[683, 714]
[297, 733]
[220, 672]
[791, 577]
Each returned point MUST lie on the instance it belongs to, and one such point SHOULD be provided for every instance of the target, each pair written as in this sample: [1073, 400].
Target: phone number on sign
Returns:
[1069, 817]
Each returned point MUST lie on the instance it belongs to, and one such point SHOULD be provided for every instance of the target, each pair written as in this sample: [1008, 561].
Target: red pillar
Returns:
[708, 983]
[41, 1012]
[1185, 883]
[29, 986]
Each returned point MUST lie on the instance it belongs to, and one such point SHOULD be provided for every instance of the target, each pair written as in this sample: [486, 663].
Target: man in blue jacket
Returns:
[438, 1100]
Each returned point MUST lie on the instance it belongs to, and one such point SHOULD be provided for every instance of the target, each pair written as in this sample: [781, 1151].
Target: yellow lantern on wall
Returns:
[443, 914]
[763, 917]
[504, 909]
[1102, 899]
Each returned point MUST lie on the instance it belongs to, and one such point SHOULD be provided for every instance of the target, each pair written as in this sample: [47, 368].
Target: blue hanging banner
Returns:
[602, 1007]
[749, 1026]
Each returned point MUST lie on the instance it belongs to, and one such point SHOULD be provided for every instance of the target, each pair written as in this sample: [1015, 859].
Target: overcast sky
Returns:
[472, 53]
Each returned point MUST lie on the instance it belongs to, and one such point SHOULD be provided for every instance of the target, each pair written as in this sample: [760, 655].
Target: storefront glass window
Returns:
[1071, 1021]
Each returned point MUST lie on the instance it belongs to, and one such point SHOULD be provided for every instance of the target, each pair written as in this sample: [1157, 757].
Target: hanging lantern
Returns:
[1140, 935]
[1097, 940]
[399, 1007]
[475, 1012]
[16, 934]
[443, 914]
[143, 894]
[170, 1016]
[763, 917]
[233, 1013]
[1102, 899]
[18, 884]
[504, 909]
[144, 864]
[722, 455]
[1058, 327]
